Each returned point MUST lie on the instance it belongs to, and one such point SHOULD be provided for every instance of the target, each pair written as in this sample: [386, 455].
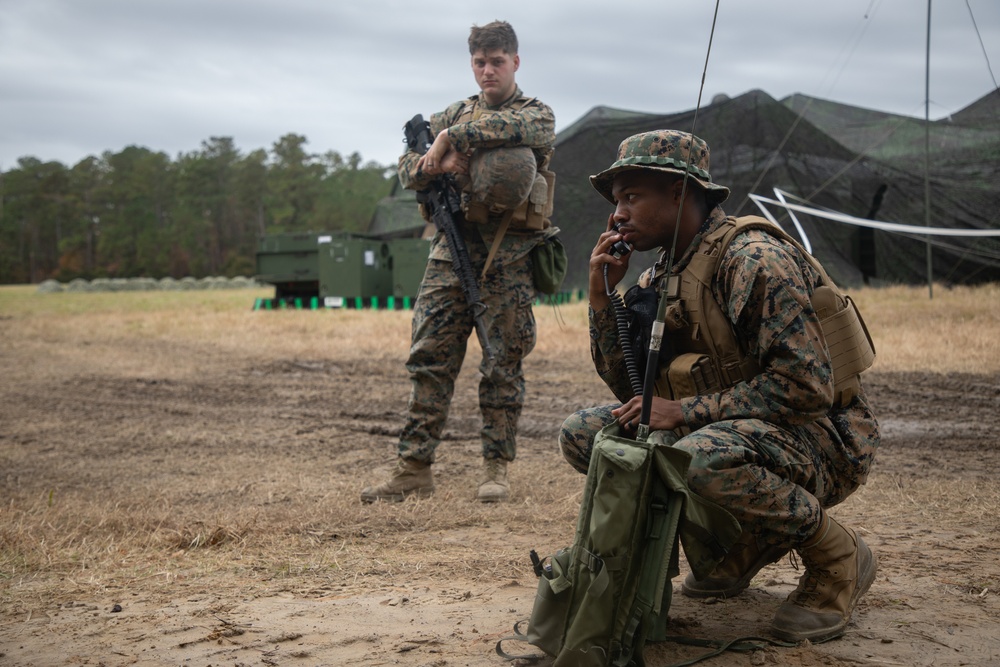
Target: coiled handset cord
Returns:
[621, 321]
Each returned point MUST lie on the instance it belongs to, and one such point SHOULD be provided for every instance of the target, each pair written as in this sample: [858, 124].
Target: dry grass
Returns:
[958, 330]
[272, 505]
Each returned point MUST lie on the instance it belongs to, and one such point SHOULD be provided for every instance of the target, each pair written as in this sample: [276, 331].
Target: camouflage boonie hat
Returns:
[663, 150]
[501, 178]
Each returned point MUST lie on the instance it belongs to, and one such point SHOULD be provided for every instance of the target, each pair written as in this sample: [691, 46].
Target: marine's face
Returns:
[494, 72]
[645, 208]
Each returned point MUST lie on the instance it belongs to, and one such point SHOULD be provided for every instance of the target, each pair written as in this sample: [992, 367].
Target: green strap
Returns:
[518, 636]
[664, 520]
[504, 223]
[742, 644]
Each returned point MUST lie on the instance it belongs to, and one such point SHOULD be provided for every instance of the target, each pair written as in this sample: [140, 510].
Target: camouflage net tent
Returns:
[397, 215]
[854, 161]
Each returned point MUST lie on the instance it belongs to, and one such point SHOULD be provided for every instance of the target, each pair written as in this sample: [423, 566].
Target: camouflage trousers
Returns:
[442, 325]
[773, 480]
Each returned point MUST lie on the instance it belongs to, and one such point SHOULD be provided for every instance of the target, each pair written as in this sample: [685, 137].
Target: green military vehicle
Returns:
[340, 270]
[290, 262]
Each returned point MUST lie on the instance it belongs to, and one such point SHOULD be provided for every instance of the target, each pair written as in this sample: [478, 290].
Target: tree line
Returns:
[140, 213]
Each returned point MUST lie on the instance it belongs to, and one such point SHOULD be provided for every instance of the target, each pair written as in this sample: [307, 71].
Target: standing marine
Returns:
[758, 378]
[497, 146]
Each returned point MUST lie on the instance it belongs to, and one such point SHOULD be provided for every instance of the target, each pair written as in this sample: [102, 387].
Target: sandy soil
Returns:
[223, 493]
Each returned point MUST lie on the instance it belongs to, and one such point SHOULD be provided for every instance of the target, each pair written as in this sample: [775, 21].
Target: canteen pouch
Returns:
[548, 265]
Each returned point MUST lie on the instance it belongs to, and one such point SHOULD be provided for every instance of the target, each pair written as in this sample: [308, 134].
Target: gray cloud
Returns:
[81, 77]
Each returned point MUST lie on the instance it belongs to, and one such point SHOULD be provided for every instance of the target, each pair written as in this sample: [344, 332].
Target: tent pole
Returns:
[927, 153]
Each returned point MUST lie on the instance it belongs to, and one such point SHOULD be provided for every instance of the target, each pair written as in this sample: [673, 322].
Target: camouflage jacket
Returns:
[763, 287]
[518, 121]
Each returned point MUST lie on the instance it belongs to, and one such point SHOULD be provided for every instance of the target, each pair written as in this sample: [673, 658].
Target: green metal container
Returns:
[408, 259]
[354, 270]
[289, 262]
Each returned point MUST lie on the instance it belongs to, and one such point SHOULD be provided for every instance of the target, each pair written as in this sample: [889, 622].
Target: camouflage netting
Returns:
[397, 215]
[758, 144]
[851, 160]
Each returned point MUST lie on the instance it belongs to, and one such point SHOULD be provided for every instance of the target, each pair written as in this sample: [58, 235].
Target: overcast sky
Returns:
[80, 77]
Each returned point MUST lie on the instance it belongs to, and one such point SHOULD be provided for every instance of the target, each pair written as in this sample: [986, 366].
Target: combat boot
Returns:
[839, 568]
[494, 486]
[732, 576]
[410, 478]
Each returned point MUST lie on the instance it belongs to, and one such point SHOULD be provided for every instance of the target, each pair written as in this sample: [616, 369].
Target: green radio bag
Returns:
[599, 601]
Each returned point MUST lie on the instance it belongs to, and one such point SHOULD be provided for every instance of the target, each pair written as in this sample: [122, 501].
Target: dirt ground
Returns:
[199, 506]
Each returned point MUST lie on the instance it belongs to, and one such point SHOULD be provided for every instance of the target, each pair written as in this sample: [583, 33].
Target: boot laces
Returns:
[808, 587]
[809, 583]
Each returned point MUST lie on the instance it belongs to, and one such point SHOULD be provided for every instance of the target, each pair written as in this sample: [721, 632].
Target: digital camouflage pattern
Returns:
[442, 323]
[442, 320]
[471, 125]
[663, 150]
[501, 178]
[772, 450]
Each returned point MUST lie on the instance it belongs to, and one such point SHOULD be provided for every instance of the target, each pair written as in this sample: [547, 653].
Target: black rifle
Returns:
[441, 199]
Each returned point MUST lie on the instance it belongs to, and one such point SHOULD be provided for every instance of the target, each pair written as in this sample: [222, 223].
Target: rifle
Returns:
[441, 199]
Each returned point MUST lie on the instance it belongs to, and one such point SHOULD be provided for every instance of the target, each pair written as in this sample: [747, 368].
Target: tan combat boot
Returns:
[731, 577]
[410, 478]
[494, 486]
[839, 569]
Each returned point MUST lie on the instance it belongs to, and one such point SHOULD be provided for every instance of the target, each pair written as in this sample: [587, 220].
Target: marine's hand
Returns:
[664, 414]
[455, 163]
[601, 257]
[431, 162]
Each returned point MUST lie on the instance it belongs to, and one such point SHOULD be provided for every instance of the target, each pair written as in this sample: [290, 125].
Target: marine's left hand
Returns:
[432, 162]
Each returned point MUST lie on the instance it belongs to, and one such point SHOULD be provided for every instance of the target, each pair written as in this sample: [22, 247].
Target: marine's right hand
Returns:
[600, 258]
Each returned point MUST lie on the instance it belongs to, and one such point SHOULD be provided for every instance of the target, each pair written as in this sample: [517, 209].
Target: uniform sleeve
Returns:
[533, 125]
[766, 291]
[411, 177]
[606, 351]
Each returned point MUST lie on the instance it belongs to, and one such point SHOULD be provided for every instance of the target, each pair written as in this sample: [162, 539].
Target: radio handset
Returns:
[620, 247]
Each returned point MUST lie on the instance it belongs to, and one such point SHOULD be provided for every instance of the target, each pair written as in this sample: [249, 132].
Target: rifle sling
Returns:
[504, 224]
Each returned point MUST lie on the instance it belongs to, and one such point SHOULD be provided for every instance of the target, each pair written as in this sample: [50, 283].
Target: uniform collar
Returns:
[714, 220]
[516, 94]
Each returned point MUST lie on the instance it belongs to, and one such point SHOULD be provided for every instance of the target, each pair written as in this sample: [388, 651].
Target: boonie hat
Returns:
[663, 150]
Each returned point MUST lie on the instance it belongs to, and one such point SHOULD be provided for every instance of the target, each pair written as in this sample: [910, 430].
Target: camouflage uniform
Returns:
[442, 321]
[770, 450]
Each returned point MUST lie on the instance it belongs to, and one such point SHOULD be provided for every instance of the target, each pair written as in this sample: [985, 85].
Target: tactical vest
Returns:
[534, 212]
[707, 355]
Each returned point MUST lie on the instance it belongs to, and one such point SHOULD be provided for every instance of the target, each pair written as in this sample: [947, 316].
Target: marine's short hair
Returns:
[493, 36]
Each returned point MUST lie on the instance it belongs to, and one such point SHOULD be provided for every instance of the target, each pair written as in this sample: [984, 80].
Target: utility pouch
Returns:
[692, 374]
[533, 214]
[552, 604]
[477, 212]
[847, 339]
[548, 264]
